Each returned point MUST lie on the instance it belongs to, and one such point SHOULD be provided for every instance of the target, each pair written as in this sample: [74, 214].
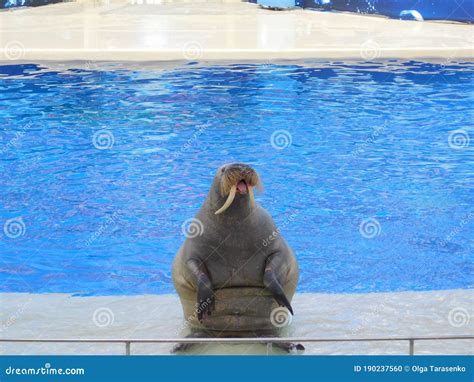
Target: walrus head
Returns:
[236, 179]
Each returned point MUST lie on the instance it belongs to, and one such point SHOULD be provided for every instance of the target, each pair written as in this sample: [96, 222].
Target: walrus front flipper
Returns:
[184, 346]
[205, 299]
[205, 293]
[289, 346]
[270, 280]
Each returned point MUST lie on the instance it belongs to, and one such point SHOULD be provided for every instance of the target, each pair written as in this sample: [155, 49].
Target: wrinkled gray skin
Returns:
[228, 281]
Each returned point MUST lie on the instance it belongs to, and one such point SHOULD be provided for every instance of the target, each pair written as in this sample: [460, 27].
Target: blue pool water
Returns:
[369, 173]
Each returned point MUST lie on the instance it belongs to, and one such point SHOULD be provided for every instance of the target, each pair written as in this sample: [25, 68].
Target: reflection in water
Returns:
[372, 184]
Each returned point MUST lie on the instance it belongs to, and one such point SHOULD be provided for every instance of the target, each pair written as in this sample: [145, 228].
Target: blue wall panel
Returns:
[455, 10]
[25, 3]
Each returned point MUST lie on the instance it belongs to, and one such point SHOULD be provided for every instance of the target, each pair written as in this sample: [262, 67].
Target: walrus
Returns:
[236, 270]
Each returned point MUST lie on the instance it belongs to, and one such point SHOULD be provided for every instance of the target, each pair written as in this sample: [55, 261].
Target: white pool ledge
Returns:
[217, 30]
[151, 322]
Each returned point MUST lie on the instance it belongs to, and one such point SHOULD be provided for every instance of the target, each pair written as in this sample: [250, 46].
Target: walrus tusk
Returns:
[228, 202]
[252, 197]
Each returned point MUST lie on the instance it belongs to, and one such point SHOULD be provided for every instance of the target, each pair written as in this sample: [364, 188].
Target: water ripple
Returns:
[104, 165]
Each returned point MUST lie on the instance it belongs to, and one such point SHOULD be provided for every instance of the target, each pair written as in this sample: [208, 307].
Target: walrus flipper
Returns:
[205, 293]
[289, 346]
[273, 268]
[184, 346]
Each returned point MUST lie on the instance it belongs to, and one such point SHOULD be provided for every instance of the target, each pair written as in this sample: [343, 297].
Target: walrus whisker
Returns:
[251, 197]
[229, 200]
